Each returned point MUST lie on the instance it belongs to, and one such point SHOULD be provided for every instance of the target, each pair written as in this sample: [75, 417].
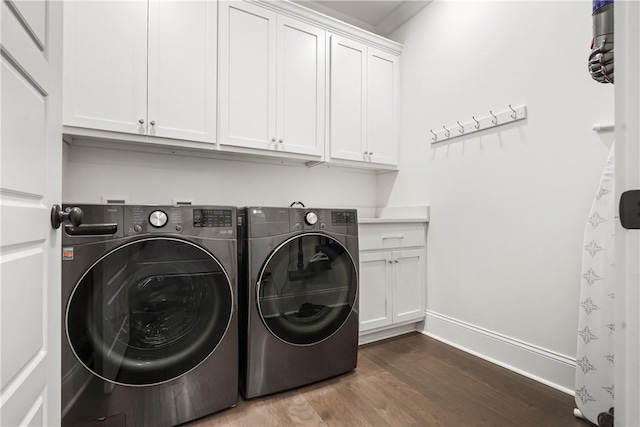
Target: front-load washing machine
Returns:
[298, 296]
[149, 298]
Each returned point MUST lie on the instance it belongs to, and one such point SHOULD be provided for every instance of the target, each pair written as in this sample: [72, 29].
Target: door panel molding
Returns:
[36, 36]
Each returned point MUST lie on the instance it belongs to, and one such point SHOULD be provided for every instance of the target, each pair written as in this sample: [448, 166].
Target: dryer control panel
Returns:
[271, 221]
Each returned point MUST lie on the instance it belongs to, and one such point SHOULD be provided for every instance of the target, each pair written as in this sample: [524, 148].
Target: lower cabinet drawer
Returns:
[387, 236]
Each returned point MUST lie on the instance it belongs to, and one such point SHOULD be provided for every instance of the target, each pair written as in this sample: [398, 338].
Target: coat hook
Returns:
[514, 114]
[495, 119]
[435, 137]
[446, 131]
[461, 130]
[477, 125]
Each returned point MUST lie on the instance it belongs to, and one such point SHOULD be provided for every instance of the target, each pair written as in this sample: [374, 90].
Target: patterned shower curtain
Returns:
[596, 327]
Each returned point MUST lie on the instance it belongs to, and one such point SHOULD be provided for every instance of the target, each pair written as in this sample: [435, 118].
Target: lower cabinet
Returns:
[375, 290]
[392, 287]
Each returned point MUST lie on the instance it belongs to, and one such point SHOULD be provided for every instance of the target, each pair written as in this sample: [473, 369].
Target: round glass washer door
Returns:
[307, 289]
[149, 311]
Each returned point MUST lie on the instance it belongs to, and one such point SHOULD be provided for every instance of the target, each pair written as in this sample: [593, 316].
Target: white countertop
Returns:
[390, 220]
[394, 214]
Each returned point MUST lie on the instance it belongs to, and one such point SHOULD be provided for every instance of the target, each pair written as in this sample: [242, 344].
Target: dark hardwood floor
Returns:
[410, 380]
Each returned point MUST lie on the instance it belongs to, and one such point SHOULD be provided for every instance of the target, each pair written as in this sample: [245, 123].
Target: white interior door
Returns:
[301, 87]
[627, 93]
[348, 100]
[182, 69]
[247, 75]
[30, 182]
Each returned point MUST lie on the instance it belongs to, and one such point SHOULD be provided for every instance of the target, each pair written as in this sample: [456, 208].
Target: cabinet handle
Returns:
[152, 122]
[273, 139]
[396, 261]
[141, 121]
[390, 262]
[393, 237]
[280, 141]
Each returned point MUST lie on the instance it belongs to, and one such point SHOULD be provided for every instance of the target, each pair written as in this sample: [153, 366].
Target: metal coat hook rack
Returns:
[491, 120]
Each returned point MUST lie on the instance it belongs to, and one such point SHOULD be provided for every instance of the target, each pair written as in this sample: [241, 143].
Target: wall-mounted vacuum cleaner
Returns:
[601, 57]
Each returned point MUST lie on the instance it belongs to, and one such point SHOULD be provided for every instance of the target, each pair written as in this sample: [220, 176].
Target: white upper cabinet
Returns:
[348, 100]
[301, 87]
[382, 108]
[253, 77]
[272, 85]
[364, 83]
[247, 90]
[141, 67]
[182, 69]
[105, 65]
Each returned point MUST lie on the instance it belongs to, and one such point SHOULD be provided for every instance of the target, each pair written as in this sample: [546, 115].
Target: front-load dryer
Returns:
[298, 296]
[149, 298]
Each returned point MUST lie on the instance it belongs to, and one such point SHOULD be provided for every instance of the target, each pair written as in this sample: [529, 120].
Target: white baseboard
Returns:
[387, 332]
[542, 365]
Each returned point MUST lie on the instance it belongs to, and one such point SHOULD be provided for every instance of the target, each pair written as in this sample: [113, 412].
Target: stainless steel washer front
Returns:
[150, 314]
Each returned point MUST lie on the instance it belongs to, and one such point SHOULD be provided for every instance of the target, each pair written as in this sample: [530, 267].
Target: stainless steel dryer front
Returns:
[298, 296]
[150, 321]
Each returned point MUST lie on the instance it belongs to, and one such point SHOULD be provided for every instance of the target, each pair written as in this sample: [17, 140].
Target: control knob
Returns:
[158, 219]
[311, 218]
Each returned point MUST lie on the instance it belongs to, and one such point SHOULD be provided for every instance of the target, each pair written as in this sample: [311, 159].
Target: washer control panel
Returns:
[158, 219]
[204, 221]
[212, 218]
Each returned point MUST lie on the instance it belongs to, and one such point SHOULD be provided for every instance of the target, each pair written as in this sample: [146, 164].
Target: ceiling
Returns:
[380, 17]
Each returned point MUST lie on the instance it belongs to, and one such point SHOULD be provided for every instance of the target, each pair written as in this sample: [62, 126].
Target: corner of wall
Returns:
[545, 366]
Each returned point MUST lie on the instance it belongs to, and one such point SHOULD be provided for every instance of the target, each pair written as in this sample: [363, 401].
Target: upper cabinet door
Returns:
[247, 83]
[105, 65]
[301, 87]
[382, 87]
[348, 99]
[182, 69]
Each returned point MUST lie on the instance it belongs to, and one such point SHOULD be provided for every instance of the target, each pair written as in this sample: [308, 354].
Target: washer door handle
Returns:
[92, 230]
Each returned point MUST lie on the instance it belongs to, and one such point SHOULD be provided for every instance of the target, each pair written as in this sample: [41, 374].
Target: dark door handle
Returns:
[630, 209]
[73, 216]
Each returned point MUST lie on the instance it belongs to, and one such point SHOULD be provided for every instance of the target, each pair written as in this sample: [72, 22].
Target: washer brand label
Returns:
[67, 254]
[256, 211]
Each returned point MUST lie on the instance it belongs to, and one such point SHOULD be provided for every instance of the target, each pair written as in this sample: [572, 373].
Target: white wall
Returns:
[159, 178]
[509, 205]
